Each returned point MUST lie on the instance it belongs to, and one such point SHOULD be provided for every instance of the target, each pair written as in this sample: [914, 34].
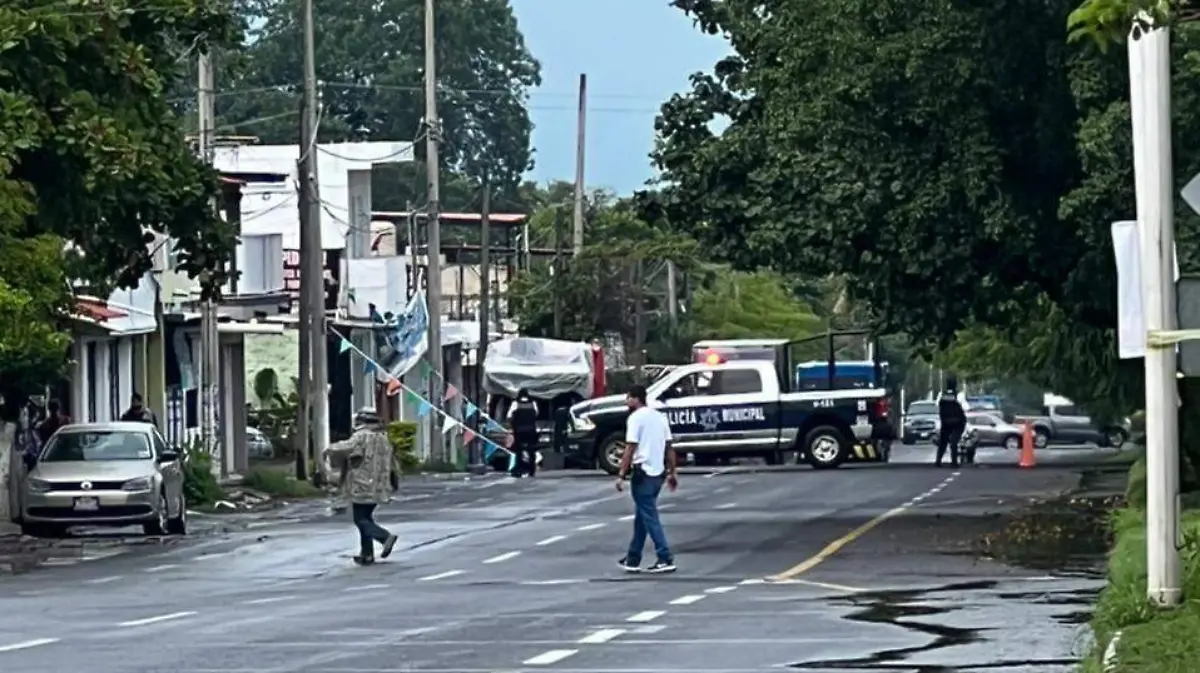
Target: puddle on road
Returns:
[910, 610]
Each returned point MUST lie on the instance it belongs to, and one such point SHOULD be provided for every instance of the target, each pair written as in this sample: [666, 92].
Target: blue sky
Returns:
[636, 53]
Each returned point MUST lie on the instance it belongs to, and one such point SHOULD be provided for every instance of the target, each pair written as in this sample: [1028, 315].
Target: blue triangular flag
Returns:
[489, 447]
[470, 410]
[493, 426]
[512, 461]
[369, 367]
[345, 345]
[424, 409]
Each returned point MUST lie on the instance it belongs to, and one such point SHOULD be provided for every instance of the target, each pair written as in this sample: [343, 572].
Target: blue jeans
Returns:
[368, 531]
[645, 490]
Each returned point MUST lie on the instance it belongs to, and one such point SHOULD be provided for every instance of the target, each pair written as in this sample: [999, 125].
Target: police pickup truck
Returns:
[742, 408]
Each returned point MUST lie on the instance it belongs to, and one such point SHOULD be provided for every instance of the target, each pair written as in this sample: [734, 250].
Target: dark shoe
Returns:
[364, 560]
[388, 545]
[629, 567]
[662, 567]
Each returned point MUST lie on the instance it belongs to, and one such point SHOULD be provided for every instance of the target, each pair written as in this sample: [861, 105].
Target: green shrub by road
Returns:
[1151, 640]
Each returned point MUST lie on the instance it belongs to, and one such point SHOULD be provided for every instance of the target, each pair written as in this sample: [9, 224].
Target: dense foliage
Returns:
[963, 172]
[91, 154]
[370, 64]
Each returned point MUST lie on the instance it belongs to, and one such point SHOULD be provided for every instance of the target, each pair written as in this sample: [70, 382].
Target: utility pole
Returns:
[314, 400]
[433, 130]
[209, 345]
[580, 154]
[672, 300]
[557, 275]
[485, 276]
[1150, 111]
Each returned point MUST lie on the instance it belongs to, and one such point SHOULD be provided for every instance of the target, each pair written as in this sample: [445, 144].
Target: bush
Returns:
[278, 483]
[1135, 488]
[403, 437]
[200, 485]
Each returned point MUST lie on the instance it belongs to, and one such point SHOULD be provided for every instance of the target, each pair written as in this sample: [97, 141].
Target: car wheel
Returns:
[826, 447]
[178, 525]
[609, 453]
[1115, 437]
[159, 525]
[1012, 442]
[1041, 438]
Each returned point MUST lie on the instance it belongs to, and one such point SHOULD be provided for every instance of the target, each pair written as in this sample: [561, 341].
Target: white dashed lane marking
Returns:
[720, 590]
[103, 580]
[503, 557]
[548, 658]
[267, 600]
[688, 600]
[727, 505]
[157, 619]
[160, 568]
[600, 637]
[646, 616]
[26, 644]
[551, 540]
[591, 526]
[441, 576]
[628, 517]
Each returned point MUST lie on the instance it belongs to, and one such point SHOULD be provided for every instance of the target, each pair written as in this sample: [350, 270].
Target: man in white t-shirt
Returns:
[650, 462]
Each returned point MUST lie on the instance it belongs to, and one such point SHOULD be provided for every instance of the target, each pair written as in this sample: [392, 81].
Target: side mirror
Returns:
[168, 457]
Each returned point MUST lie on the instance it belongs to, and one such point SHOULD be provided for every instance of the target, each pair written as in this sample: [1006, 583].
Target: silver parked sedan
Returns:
[106, 474]
[993, 430]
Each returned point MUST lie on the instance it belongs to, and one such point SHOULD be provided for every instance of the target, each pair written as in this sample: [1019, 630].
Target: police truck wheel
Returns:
[826, 447]
[609, 452]
[1041, 438]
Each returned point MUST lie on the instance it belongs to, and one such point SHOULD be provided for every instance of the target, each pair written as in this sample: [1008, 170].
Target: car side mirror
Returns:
[168, 457]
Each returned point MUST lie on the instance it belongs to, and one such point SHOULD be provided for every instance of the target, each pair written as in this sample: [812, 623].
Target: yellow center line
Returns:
[836, 546]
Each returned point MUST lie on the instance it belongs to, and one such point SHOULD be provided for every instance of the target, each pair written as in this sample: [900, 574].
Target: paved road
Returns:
[852, 570]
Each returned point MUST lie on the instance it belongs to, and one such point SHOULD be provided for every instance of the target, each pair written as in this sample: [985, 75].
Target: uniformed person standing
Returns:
[368, 468]
[525, 434]
[953, 422]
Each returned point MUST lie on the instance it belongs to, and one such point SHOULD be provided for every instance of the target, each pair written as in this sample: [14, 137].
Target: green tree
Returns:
[370, 62]
[91, 154]
[904, 167]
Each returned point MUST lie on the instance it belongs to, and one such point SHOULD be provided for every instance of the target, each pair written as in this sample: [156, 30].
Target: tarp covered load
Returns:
[546, 368]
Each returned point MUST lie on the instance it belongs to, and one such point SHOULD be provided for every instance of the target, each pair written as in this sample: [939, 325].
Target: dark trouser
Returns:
[368, 530]
[949, 437]
[645, 490]
[526, 459]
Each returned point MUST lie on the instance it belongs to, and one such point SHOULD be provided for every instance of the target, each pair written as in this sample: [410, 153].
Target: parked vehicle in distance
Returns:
[258, 445]
[920, 421]
[108, 474]
[1068, 424]
[991, 429]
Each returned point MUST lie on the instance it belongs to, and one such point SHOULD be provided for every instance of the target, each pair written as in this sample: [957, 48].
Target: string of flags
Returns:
[425, 406]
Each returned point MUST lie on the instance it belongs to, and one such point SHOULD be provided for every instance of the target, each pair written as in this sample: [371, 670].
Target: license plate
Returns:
[864, 420]
[87, 504]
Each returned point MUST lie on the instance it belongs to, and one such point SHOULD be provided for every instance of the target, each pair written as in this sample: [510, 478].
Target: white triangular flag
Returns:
[451, 424]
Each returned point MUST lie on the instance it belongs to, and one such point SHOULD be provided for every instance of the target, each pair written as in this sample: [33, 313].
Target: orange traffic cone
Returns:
[1027, 459]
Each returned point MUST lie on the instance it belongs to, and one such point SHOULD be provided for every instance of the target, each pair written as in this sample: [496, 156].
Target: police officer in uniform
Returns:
[525, 434]
[953, 422]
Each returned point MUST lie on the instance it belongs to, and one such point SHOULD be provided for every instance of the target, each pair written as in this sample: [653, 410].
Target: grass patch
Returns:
[1152, 640]
[278, 483]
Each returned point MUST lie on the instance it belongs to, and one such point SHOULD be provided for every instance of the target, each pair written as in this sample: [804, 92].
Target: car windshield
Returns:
[96, 445]
[922, 409]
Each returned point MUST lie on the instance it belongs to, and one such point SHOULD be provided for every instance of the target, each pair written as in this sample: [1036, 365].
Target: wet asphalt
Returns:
[779, 569]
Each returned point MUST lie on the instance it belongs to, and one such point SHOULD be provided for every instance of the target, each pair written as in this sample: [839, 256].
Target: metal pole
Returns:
[437, 444]
[557, 270]
[1150, 107]
[485, 282]
[580, 154]
[672, 300]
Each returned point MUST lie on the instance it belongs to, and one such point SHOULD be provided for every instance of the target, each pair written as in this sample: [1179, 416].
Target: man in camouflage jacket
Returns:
[367, 464]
